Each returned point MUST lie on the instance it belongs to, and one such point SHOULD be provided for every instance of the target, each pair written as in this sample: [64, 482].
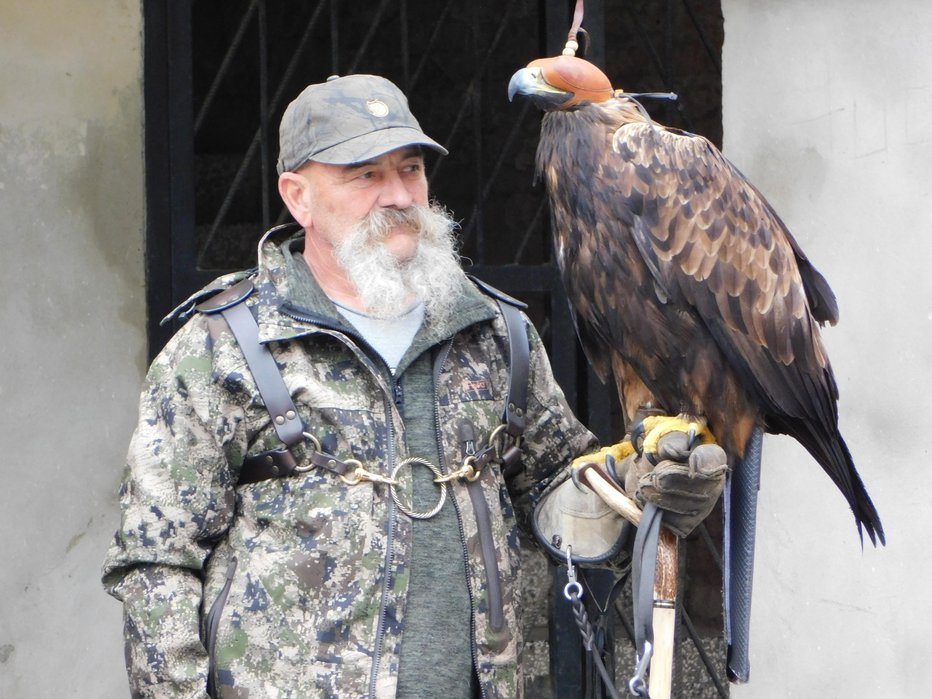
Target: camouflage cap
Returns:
[347, 120]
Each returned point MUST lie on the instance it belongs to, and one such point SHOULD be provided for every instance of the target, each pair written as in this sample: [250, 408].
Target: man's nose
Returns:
[395, 193]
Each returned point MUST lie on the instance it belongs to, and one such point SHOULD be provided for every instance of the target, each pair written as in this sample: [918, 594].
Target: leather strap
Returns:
[281, 462]
[644, 565]
[239, 318]
[265, 371]
[515, 417]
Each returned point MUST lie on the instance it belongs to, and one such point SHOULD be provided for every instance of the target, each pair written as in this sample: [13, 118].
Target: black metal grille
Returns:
[218, 76]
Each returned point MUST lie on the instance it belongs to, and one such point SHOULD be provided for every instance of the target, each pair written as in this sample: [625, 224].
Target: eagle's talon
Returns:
[637, 432]
[692, 435]
[574, 474]
[610, 467]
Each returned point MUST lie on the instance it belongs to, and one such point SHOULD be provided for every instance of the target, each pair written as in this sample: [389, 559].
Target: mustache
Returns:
[379, 223]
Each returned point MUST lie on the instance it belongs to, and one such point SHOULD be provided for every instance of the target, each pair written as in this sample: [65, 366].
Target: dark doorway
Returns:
[218, 76]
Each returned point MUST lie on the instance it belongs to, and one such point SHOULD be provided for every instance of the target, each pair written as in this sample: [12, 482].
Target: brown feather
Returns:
[687, 287]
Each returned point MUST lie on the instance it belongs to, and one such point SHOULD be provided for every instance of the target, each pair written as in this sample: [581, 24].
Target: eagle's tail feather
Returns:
[832, 454]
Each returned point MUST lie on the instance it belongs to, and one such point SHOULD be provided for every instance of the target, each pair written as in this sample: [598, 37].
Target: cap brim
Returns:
[374, 144]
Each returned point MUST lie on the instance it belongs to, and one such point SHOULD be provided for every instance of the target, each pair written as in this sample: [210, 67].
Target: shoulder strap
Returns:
[519, 368]
[279, 462]
[515, 417]
[269, 381]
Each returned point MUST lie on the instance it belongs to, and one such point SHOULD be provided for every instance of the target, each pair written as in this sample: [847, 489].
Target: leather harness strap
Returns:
[519, 364]
[277, 462]
[282, 462]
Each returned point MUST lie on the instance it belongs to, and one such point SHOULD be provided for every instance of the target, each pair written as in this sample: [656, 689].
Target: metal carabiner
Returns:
[572, 590]
[467, 471]
[360, 474]
[637, 685]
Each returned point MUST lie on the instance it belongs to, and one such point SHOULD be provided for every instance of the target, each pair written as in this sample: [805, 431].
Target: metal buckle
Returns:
[404, 507]
[497, 440]
[315, 447]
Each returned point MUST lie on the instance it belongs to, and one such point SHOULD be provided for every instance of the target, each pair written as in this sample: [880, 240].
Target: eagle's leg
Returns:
[646, 434]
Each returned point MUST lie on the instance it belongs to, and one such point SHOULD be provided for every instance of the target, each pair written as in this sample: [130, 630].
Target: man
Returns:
[352, 575]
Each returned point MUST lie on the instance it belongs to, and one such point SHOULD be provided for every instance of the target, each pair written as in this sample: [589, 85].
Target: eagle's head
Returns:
[560, 82]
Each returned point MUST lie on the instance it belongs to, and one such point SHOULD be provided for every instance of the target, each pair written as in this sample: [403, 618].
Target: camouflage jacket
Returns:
[296, 587]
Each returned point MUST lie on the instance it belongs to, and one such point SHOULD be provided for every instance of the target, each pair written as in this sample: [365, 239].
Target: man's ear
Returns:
[294, 189]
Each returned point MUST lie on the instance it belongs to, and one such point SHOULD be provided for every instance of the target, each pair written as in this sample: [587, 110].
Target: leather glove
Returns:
[572, 515]
[685, 482]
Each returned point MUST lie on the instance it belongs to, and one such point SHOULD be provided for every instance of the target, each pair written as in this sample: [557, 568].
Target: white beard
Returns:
[388, 286]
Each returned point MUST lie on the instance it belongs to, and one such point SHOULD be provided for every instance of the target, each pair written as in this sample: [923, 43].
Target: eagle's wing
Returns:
[713, 242]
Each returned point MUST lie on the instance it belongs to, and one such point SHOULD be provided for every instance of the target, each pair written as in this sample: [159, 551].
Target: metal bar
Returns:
[658, 64]
[556, 26]
[405, 47]
[531, 229]
[709, 49]
[623, 620]
[181, 143]
[477, 141]
[251, 150]
[703, 654]
[224, 65]
[474, 82]
[364, 46]
[264, 113]
[157, 91]
[502, 153]
[430, 43]
[710, 544]
[334, 37]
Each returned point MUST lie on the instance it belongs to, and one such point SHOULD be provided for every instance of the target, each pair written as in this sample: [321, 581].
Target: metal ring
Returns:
[496, 433]
[315, 447]
[406, 508]
[571, 590]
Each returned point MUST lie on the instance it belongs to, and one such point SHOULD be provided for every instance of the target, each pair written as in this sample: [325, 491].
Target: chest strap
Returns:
[282, 462]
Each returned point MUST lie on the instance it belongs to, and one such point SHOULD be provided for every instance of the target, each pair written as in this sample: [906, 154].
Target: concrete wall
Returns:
[828, 109]
[72, 317]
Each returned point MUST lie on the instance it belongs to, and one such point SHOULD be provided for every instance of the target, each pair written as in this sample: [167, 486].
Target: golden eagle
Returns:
[684, 282]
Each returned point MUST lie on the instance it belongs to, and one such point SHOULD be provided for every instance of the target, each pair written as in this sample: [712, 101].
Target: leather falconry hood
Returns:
[577, 76]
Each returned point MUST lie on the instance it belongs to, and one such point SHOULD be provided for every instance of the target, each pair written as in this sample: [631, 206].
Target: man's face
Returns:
[343, 195]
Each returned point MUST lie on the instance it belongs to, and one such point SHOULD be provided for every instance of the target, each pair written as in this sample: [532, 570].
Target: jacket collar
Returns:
[293, 303]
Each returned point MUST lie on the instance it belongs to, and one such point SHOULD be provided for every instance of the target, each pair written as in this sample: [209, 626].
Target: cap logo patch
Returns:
[377, 108]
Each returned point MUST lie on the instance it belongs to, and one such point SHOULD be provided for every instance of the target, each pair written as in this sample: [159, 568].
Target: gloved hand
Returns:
[572, 515]
[680, 469]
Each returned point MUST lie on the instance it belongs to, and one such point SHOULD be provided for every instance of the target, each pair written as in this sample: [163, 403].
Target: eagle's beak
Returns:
[530, 82]
[522, 82]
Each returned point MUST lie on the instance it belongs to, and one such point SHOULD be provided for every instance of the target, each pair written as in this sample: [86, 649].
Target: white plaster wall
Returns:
[72, 320]
[828, 109]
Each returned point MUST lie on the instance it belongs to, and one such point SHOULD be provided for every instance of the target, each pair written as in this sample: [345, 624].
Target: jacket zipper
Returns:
[441, 360]
[213, 625]
[390, 541]
[389, 561]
